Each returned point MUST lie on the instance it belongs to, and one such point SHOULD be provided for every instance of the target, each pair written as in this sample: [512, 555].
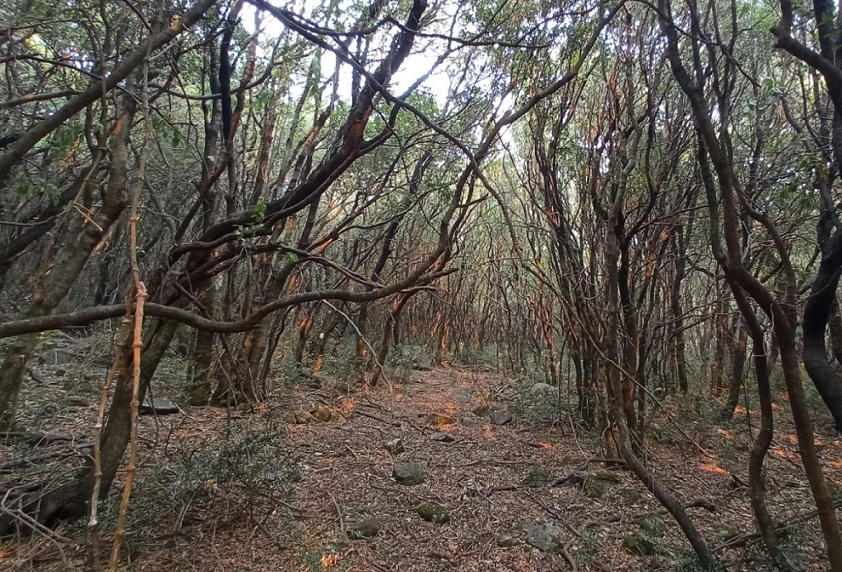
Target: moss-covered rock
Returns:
[368, 527]
[599, 483]
[433, 512]
[638, 544]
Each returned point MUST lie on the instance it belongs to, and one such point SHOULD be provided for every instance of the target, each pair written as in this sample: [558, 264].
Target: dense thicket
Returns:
[632, 198]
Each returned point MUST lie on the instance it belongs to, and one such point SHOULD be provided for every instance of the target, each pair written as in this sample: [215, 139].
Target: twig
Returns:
[339, 516]
[376, 418]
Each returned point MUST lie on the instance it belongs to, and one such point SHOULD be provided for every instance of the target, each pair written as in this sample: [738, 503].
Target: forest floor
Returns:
[264, 490]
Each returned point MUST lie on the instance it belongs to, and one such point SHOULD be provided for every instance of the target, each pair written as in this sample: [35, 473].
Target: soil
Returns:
[491, 479]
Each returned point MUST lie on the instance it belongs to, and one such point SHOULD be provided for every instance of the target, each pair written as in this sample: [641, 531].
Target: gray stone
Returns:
[158, 406]
[368, 527]
[409, 474]
[541, 390]
[59, 356]
[394, 446]
[432, 512]
[543, 535]
[441, 437]
[501, 417]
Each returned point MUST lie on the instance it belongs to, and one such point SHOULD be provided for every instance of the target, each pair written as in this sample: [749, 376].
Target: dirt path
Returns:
[482, 478]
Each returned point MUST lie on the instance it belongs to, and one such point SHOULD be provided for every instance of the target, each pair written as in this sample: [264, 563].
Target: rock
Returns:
[74, 401]
[541, 390]
[158, 406]
[653, 526]
[321, 412]
[439, 420]
[394, 446]
[409, 474]
[441, 437]
[599, 483]
[416, 357]
[543, 535]
[58, 356]
[60, 372]
[481, 410]
[726, 533]
[630, 495]
[507, 540]
[297, 418]
[538, 477]
[501, 417]
[368, 527]
[638, 545]
[432, 512]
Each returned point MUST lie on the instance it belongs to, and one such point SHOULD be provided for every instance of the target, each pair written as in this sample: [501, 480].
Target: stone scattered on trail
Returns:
[441, 437]
[481, 410]
[638, 544]
[321, 412]
[439, 420]
[501, 417]
[599, 483]
[543, 535]
[394, 446]
[432, 512]
[368, 527]
[158, 406]
[409, 474]
[507, 540]
[297, 418]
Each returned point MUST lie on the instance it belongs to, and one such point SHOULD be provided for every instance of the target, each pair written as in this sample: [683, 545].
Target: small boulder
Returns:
[59, 356]
[321, 412]
[157, 406]
[501, 417]
[298, 418]
[538, 477]
[599, 483]
[653, 526]
[507, 540]
[543, 535]
[441, 437]
[541, 390]
[432, 512]
[369, 527]
[394, 446]
[726, 533]
[439, 420]
[481, 410]
[638, 545]
[409, 474]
